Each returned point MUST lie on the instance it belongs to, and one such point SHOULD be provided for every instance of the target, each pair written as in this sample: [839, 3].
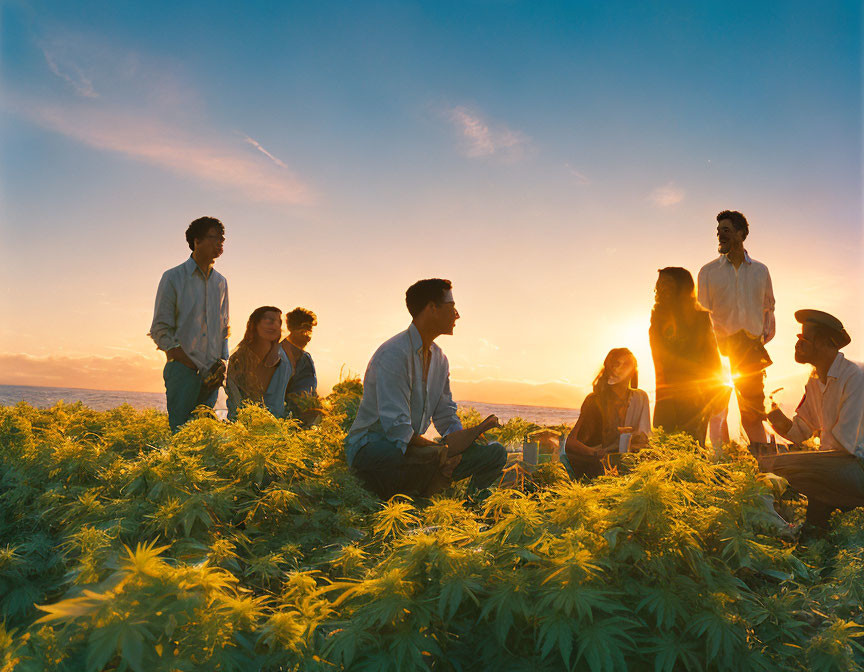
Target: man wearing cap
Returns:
[737, 290]
[405, 389]
[833, 409]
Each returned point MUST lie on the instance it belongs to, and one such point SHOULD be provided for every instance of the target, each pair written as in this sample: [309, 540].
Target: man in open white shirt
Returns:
[832, 409]
[737, 290]
[190, 323]
[405, 389]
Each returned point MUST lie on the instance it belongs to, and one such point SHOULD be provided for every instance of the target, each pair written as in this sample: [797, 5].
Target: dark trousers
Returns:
[683, 414]
[183, 393]
[831, 479]
[580, 466]
[387, 471]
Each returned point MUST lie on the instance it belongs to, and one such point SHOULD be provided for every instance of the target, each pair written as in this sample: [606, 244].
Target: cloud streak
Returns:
[77, 79]
[482, 139]
[667, 195]
[257, 145]
[579, 177]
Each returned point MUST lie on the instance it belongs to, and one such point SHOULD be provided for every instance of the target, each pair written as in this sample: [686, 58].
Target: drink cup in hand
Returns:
[626, 434]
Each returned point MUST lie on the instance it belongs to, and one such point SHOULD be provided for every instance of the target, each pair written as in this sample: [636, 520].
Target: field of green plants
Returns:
[249, 546]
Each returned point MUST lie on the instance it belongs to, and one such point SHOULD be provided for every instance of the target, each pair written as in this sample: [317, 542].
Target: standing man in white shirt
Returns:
[832, 409]
[737, 290]
[407, 387]
[190, 323]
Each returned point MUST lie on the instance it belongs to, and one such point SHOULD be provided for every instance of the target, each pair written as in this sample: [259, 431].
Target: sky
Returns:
[545, 157]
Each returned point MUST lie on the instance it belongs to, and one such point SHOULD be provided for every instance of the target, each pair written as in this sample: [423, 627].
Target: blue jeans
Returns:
[182, 390]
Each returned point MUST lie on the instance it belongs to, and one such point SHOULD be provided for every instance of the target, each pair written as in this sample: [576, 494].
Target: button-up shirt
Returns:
[738, 298]
[274, 395]
[833, 409]
[192, 312]
[396, 403]
[304, 379]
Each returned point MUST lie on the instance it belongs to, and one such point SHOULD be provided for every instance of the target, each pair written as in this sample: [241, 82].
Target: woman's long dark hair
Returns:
[672, 316]
[243, 360]
[601, 382]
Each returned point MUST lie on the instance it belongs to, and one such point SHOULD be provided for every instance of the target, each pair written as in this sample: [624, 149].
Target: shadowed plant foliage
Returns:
[250, 546]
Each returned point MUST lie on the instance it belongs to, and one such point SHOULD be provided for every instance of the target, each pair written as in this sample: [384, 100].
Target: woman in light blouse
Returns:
[251, 376]
[615, 406]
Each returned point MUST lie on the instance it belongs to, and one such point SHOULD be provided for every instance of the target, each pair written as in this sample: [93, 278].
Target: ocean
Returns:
[101, 400]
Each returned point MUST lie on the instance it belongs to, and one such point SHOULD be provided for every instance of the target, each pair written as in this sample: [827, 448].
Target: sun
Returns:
[633, 334]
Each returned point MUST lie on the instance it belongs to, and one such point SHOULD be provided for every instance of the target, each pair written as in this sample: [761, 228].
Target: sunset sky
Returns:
[546, 157]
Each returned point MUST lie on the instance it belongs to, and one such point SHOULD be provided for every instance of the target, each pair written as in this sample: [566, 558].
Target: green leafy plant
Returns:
[250, 545]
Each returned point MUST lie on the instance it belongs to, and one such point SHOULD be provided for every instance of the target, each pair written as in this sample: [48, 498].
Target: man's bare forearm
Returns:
[781, 424]
[457, 442]
[419, 440]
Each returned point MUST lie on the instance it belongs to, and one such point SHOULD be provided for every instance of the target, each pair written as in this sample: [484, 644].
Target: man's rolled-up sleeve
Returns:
[803, 424]
[769, 325]
[444, 416]
[703, 295]
[163, 331]
[393, 393]
[800, 431]
[849, 420]
[225, 330]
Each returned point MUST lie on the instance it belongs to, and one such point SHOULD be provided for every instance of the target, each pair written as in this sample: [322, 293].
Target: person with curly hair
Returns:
[301, 396]
[300, 323]
[687, 365]
[190, 323]
[255, 375]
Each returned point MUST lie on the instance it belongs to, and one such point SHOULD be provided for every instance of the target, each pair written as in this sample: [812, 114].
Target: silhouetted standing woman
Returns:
[686, 359]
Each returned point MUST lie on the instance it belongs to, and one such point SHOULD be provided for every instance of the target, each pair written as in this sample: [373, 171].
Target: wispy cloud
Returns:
[257, 145]
[137, 105]
[70, 73]
[487, 345]
[201, 156]
[667, 195]
[484, 139]
[580, 177]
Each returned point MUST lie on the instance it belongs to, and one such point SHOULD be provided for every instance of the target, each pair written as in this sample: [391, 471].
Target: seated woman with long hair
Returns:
[686, 360]
[615, 406]
[251, 378]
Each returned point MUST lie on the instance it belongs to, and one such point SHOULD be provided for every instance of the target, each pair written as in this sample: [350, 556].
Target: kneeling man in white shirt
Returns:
[405, 389]
[832, 409]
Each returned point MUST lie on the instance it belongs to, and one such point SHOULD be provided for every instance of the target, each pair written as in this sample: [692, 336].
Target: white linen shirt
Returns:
[834, 409]
[192, 312]
[395, 403]
[738, 298]
[638, 413]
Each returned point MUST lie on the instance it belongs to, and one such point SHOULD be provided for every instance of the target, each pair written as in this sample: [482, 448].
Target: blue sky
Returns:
[547, 157]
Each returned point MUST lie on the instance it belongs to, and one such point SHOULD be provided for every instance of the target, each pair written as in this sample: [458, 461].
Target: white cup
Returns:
[624, 443]
[624, 439]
